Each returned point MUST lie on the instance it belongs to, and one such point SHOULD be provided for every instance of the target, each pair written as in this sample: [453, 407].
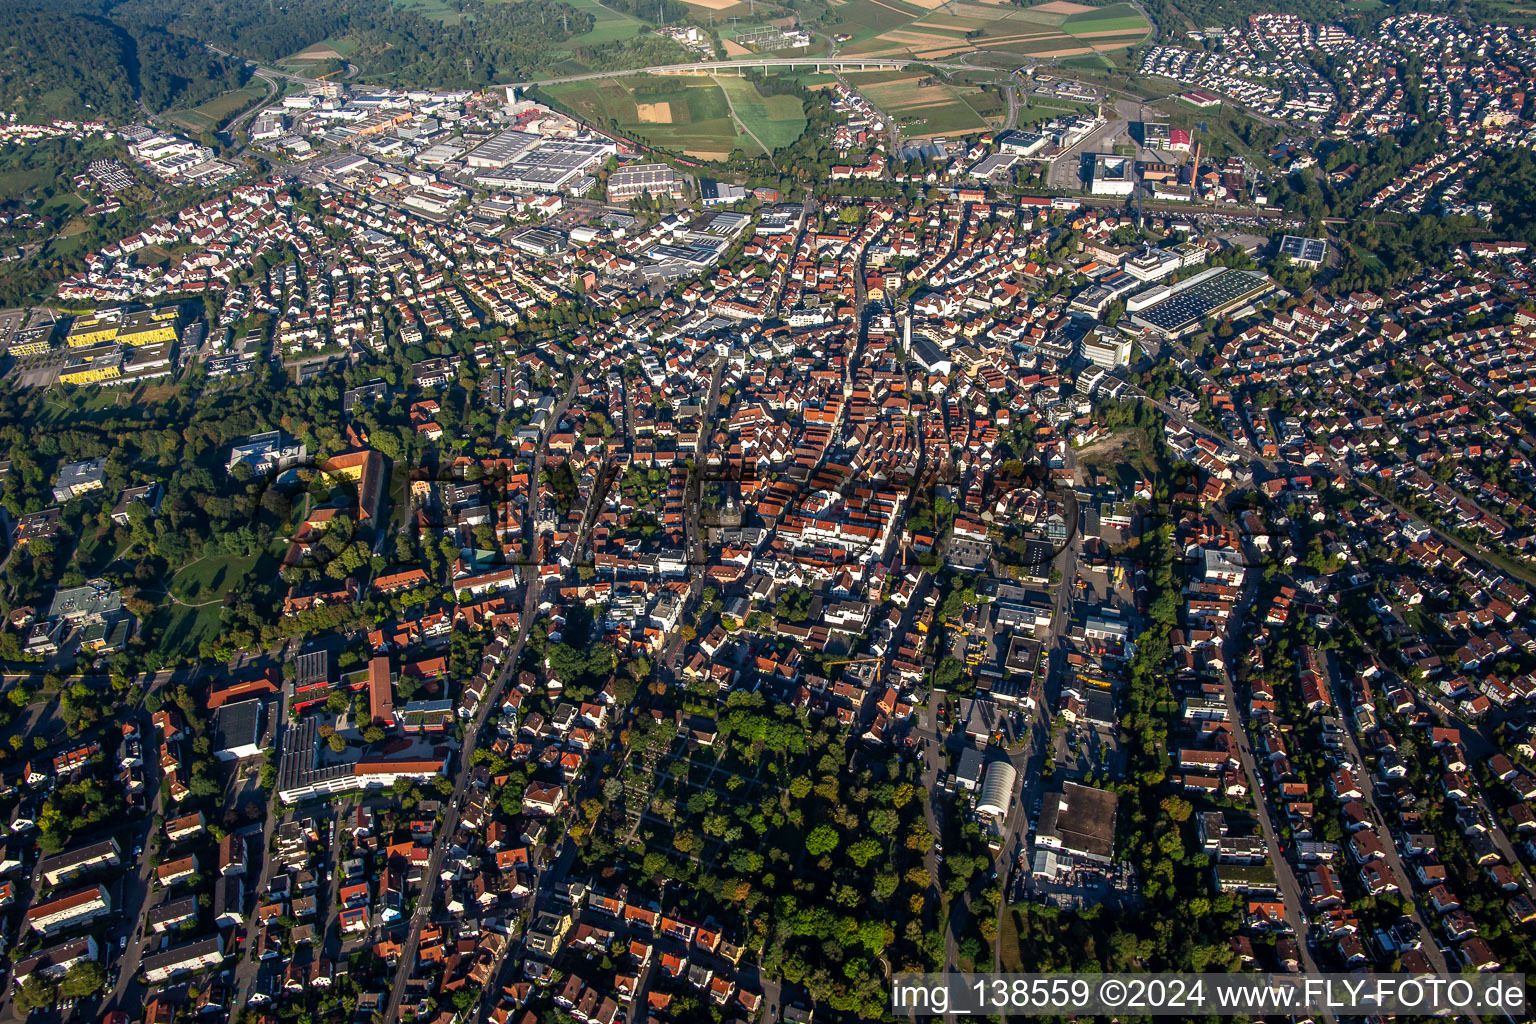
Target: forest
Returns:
[74, 59]
[499, 40]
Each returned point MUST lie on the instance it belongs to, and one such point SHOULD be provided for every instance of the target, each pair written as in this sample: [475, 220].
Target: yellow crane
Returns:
[328, 75]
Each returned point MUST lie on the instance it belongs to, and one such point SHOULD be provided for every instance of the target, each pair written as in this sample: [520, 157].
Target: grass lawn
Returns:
[1008, 941]
[179, 631]
[209, 579]
[80, 405]
[776, 120]
[609, 25]
[437, 10]
[97, 551]
[15, 183]
[1038, 111]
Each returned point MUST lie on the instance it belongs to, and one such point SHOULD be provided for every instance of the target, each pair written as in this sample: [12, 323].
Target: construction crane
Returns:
[328, 75]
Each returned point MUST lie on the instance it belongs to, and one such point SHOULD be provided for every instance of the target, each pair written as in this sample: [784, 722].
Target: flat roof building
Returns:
[644, 179]
[1079, 820]
[77, 478]
[501, 149]
[1211, 293]
[1113, 175]
[237, 730]
[1307, 252]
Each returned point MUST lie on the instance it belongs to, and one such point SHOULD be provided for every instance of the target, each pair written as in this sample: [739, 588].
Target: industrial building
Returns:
[1184, 307]
[550, 166]
[501, 149]
[719, 193]
[997, 787]
[1024, 144]
[627, 183]
[1113, 175]
[1080, 821]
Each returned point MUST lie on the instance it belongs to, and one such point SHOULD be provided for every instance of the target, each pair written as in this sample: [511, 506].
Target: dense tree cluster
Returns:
[77, 59]
[500, 40]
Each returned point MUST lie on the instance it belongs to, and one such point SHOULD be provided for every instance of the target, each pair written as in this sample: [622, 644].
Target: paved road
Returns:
[1394, 860]
[759, 63]
[447, 835]
[1290, 888]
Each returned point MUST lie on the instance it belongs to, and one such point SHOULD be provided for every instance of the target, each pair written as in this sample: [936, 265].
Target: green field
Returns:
[609, 25]
[927, 106]
[775, 120]
[864, 19]
[684, 115]
[179, 631]
[209, 115]
[1115, 18]
[209, 579]
[437, 10]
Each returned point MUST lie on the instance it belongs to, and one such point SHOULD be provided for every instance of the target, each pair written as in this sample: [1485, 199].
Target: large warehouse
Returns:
[1188, 304]
[1079, 820]
[1113, 175]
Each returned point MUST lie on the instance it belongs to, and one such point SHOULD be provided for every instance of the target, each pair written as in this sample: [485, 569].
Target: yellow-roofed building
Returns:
[94, 328]
[91, 370]
[149, 327]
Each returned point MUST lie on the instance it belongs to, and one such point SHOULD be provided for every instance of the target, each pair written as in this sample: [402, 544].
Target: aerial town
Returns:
[466, 558]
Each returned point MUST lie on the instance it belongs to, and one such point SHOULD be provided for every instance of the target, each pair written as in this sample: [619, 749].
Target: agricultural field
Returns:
[1055, 29]
[721, 8]
[685, 115]
[437, 10]
[609, 25]
[209, 115]
[774, 120]
[318, 57]
[926, 106]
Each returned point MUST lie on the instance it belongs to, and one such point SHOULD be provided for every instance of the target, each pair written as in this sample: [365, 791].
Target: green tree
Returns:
[821, 840]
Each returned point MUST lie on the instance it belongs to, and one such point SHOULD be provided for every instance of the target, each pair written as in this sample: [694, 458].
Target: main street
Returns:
[1384, 833]
[448, 831]
[1290, 888]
